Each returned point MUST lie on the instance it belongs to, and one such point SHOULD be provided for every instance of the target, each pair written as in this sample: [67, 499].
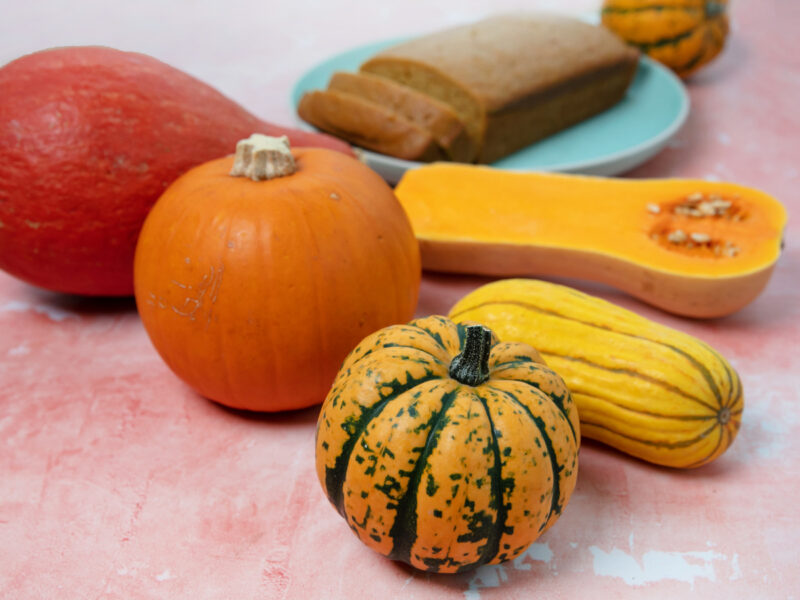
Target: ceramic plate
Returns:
[612, 142]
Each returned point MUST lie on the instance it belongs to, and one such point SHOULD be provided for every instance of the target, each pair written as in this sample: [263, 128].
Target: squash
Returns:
[444, 448]
[641, 387]
[89, 139]
[695, 248]
[682, 34]
[253, 286]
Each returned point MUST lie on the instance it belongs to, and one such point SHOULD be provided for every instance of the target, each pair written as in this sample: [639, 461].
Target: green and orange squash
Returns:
[444, 448]
[641, 387]
[682, 34]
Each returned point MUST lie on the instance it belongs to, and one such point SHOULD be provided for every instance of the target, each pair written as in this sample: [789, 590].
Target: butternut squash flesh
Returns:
[693, 247]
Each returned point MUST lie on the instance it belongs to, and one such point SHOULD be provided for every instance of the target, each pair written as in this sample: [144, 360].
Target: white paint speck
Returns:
[487, 576]
[164, 576]
[724, 139]
[538, 552]
[737, 571]
[493, 576]
[573, 544]
[655, 566]
[767, 433]
[54, 314]
[20, 350]
[711, 177]
[122, 571]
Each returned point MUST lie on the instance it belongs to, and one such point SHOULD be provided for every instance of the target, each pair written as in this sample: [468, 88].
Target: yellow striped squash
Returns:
[444, 448]
[641, 387]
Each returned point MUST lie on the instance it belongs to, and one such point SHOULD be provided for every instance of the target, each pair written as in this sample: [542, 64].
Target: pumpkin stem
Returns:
[471, 367]
[261, 157]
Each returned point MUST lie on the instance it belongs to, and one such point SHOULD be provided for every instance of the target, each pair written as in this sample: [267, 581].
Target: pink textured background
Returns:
[116, 481]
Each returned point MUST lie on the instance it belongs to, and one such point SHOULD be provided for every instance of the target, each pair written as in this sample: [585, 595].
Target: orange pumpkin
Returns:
[682, 34]
[254, 288]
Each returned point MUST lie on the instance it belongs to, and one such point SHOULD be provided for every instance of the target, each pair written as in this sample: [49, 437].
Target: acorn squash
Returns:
[682, 34]
[445, 448]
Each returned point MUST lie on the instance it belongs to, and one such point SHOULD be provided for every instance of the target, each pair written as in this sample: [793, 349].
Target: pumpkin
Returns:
[695, 248]
[89, 139]
[682, 34]
[444, 448]
[641, 387]
[256, 274]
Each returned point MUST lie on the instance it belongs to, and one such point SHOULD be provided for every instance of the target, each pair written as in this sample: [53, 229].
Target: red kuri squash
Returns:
[89, 139]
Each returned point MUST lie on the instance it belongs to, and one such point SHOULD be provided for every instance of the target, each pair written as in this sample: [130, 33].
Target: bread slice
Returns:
[514, 79]
[368, 125]
[428, 113]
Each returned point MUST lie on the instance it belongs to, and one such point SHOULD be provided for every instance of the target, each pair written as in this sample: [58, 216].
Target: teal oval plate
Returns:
[612, 142]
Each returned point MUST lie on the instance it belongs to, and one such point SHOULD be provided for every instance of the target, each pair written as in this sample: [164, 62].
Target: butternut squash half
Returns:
[692, 247]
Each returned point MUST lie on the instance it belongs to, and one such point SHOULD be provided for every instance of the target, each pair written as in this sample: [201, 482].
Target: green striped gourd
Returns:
[682, 34]
[444, 448]
[641, 387]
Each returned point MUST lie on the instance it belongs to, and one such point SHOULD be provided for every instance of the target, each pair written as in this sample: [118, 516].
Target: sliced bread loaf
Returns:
[514, 79]
[368, 125]
[428, 113]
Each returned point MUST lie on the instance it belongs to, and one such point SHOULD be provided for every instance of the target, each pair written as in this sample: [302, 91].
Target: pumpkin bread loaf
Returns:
[436, 117]
[368, 125]
[514, 79]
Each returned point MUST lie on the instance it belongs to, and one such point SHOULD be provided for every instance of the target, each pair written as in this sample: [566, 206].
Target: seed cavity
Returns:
[683, 236]
[698, 205]
[676, 237]
[695, 241]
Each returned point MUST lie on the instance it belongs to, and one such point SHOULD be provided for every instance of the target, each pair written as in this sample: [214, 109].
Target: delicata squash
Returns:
[641, 387]
[691, 247]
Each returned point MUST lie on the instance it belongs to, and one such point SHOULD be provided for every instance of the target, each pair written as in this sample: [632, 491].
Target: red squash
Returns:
[89, 139]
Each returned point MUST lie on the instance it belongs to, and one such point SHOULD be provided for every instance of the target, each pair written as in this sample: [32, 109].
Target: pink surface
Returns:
[117, 481]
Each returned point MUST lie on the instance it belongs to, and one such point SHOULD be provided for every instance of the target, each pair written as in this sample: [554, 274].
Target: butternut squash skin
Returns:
[641, 387]
[624, 233]
[439, 473]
